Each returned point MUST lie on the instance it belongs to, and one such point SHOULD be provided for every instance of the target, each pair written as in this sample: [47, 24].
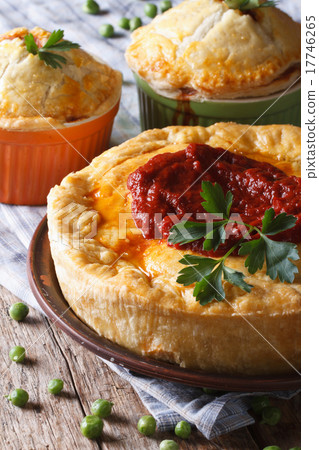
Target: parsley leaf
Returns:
[30, 44]
[256, 251]
[62, 46]
[210, 287]
[268, 4]
[274, 225]
[55, 37]
[54, 43]
[187, 231]
[199, 267]
[216, 202]
[236, 278]
[253, 4]
[208, 273]
[278, 256]
[245, 5]
[215, 237]
[51, 59]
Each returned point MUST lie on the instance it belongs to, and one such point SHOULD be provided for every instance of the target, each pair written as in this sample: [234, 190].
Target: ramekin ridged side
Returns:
[32, 162]
[157, 111]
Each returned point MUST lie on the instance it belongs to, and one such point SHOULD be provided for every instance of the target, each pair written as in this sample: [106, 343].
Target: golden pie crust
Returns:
[34, 96]
[205, 50]
[125, 288]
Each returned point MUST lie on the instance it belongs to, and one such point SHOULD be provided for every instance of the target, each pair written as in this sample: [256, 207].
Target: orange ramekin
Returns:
[32, 162]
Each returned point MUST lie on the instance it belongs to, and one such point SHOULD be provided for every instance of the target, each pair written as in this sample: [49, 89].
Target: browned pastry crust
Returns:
[33, 95]
[126, 290]
[216, 52]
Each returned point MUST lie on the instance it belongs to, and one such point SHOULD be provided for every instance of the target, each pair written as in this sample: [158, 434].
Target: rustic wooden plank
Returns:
[53, 422]
[48, 421]
[97, 380]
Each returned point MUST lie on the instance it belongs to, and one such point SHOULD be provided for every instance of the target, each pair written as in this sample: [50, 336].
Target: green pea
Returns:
[124, 23]
[183, 429]
[18, 397]
[271, 415]
[106, 30]
[272, 447]
[211, 391]
[91, 427]
[295, 448]
[168, 445]
[150, 10]
[135, 23]
[259, 403]
[91, 7]
[101, 408]
[146, 425]
[19, 311]
[55, 386]
[17, 354]
[165, 5]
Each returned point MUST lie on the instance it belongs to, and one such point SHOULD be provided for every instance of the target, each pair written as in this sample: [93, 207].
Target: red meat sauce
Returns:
[170, 184]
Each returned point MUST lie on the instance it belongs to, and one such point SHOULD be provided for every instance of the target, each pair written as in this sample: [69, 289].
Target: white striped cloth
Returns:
[168, 402]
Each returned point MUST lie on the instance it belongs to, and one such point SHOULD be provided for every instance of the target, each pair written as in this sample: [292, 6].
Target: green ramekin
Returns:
[157, 111]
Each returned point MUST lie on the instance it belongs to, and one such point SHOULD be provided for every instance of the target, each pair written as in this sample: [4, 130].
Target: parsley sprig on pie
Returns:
[245, 5]
[53, 44]
[207, 273]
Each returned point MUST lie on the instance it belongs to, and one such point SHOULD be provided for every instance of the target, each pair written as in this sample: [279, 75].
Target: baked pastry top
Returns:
[33, 95]
[124, 286]
[203, 50]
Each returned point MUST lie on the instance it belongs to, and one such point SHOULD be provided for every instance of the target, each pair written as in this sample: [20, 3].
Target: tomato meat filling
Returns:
[167, 188]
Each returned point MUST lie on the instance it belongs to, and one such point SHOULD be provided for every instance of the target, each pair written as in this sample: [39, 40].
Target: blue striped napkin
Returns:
[212, 415]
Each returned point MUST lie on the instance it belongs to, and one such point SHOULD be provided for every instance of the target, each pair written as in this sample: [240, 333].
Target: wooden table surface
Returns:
[52, 422]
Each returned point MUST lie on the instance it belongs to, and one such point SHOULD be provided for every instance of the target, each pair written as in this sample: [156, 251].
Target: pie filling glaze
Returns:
[124, 287]
[170, 184]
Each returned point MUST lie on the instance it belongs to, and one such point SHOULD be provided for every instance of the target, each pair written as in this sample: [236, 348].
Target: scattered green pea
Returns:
[124, 23]
[150, 10]
[271, 415]
[260, 402]
[55, 386]
[135, 23]
[19, 311]
[106, 30]
[17, 354]
[168, 445]
[165, 5]
[183, 429]
[272, 447]
[18, 397]
[295, 448]
[91, 427]
[101, 408]
[146, 425]
[91, 7]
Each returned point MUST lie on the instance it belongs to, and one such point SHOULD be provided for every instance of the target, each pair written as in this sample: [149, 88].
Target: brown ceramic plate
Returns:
[46, 289]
